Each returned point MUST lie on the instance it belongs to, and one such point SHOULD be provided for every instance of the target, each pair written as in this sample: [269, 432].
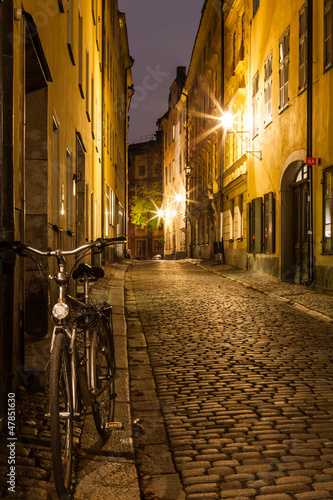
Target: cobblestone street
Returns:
[244, 380]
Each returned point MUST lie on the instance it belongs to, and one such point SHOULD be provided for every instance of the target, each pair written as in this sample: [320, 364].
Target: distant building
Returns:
[145, 174]
[173, 125]
[64, 94]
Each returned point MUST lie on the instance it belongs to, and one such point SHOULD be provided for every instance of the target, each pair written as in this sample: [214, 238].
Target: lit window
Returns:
[173, 132]
[328, 34]
[328, 208]
[255, 104]
[69, 189]
[284, 70]
[268, 70]
[303, 54]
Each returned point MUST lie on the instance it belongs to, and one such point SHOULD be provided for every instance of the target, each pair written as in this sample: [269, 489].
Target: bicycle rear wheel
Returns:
[103, 376]
[61, 415]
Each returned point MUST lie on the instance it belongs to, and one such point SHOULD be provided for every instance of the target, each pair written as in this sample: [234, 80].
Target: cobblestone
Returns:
[244, 379]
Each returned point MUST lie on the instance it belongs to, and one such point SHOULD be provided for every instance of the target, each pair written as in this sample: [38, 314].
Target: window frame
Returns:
[284, 63]
[268, 89]
[328, 40]
[303, 49]
[327, 247]
[255, 104]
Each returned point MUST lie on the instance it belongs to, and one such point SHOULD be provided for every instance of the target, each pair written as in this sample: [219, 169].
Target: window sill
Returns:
[328, 67]
[266, 125]
[231, 240]
[284, 109]
[240, 239]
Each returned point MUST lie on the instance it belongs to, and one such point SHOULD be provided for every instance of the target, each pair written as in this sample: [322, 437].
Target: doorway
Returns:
[300, 221]
[294, 223]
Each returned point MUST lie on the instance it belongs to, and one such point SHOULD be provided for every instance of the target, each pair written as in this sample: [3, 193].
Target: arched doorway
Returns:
[294, 223]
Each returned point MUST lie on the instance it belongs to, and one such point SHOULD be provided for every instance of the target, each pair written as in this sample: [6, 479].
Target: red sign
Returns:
[313, 161]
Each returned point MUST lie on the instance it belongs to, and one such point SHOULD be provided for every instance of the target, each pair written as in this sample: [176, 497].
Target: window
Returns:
[87, 212]
[242, 48]
[69, 189]
[254, 226]
[55, 173]
[173, 169]
[231, 220]
[81, 54]
[166, 175]
[284, 70]
[268, 82]
[165, 140]
[180, 123]
[269, 223]
[87, 87]
[70, 30]
[173, 132]
[169, 137]
[255, 6]
[328, 34]
[107, 209]
[328, 209]
[92, 107]
[255, 104]
[180, 163]
[92, 215]
[169, 172]
[233, 53]
[238, 218]
[142, 170]
[303, 53]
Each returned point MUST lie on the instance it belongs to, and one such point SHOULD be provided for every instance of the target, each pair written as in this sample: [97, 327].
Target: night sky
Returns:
[161, 35]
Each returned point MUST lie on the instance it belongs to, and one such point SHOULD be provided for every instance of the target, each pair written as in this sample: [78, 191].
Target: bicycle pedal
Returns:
[114, 425]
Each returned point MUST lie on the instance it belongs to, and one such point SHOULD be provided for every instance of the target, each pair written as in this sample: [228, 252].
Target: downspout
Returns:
[102, 122]
[309, 103]
[125, 144]
[186, 176]
[222, 142]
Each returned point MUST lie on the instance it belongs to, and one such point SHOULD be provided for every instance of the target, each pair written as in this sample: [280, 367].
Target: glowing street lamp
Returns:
[227, 120]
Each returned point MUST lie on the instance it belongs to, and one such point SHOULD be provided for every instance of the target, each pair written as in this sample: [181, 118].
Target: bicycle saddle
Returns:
[85, 270]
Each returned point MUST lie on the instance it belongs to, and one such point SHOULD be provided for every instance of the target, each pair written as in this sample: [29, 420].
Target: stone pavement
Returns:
[239, 368]
[102, 470]
[298, 296]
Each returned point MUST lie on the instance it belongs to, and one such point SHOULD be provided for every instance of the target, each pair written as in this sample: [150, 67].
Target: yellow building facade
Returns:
[289, 197]
[65, 91]
[236, 139]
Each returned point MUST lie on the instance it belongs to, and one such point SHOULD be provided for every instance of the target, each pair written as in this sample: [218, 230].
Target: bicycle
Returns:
[77, 380]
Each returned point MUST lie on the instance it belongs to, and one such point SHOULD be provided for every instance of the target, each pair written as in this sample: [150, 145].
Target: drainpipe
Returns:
[186, 176]
[309, 139]
[125, 141]
[222, 143]
[103, 123]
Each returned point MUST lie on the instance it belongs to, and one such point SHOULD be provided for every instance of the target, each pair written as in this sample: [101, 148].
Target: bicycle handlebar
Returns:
[100, 243]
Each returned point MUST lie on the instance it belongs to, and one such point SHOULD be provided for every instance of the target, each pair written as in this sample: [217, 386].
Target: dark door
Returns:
[300, 201]
[141, 249]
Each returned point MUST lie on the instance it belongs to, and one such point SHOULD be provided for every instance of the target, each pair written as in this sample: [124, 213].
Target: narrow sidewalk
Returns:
[299, 297]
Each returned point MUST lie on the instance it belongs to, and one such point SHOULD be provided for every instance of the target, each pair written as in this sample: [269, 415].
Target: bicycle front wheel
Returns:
[61, 415]
[103, 376]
